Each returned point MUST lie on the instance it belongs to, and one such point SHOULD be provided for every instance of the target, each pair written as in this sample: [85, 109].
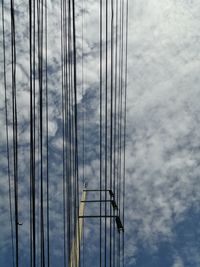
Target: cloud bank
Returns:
[162, 153]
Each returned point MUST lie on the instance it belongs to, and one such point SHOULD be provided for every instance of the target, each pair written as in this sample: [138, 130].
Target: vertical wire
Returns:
[63, 137]
[121, 103]
[118, 251]
[120, 112]
[39, 235]
[47, 132]
[67, 89]
[34, 142]
[82, 85]
[7, 138]
[38, 142]
[68, 123]
[115, 101]
[111, 127]
[76, 118]
[115, 131]
[31, 135]
[71, 185]
[83, 118]
[106, 130]
[15, 137]
[69, 129]
[40, 70]
[125, 110]
[68, 135]
[101, 36]
[72, 66]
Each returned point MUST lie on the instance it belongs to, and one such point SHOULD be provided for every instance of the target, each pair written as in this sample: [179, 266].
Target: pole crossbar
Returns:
[88, 201]
[113, 202]
[94, 190]
[100, 190]
[117, 218]
[97, 216]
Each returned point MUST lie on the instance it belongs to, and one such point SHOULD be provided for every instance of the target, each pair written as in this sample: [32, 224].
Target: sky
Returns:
[162, 152]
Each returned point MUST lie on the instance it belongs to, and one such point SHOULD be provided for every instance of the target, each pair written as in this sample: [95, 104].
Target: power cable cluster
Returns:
[113, 87]
[113, 39]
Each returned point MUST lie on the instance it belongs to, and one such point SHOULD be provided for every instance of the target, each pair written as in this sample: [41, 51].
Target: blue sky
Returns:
[163, 117]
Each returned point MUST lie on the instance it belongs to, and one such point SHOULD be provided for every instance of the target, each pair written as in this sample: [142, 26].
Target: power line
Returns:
[7, 136]
[15, 132]
[113, 38]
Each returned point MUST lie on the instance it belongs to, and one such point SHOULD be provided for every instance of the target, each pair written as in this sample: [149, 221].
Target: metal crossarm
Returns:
[100, 190]
[120, 226]
[112, 202]
[97, 216]
[96, 201]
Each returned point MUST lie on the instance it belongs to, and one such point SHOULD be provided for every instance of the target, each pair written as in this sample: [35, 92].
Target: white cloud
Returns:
[163, 112]
[178, 262]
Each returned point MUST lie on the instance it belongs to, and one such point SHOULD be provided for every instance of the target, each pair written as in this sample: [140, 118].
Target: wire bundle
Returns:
[69, 122]
[113, 38]
[40, 253]
[113, 86]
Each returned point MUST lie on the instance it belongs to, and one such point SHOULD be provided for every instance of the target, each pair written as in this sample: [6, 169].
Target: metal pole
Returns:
[75, 250]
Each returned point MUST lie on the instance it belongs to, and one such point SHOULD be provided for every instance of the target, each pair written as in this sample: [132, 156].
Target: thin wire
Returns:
[7, 139]
[111, 126]
[83, 118]
[47, 133]
[82, 85]
[101, 70]
[31, 138]
[15, 134]
[125, 110]
[76, 119]
[40, 80]
[70, 200]
[106, 132]
[34, 140]
[115, 130]
[63, 136]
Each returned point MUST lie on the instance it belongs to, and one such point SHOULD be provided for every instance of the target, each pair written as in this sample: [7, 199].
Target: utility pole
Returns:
[75, 251]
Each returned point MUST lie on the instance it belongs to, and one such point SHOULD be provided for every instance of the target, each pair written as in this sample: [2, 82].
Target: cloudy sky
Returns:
[162, 226]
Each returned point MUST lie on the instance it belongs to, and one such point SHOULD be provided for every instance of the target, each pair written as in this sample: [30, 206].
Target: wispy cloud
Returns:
[162, 175]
